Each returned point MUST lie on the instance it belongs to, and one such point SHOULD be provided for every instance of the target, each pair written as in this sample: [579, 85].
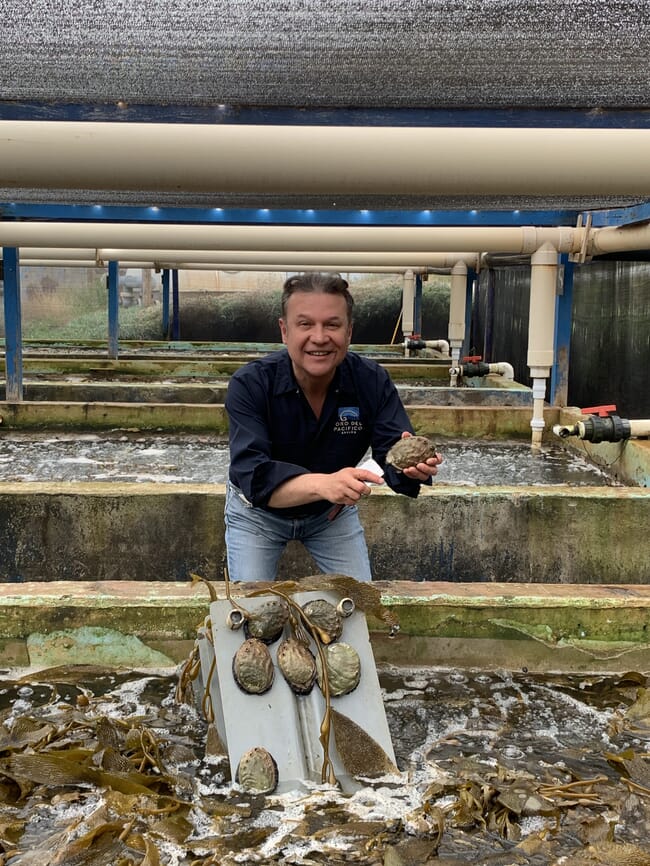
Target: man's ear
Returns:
[283, 330]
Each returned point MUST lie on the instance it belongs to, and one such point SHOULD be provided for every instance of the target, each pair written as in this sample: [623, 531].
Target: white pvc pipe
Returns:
[379, 239]
[457, 304]
[408, 304]
[217, 266]
[426, 243]
[456, 329]
[640, 427]
[441, 345]
[503, 368]
[345, 261]
[614, 239]
[541, 317]
[541, 331]
[223, 158]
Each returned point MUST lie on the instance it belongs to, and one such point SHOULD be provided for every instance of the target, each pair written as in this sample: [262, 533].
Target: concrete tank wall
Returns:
[91, 531]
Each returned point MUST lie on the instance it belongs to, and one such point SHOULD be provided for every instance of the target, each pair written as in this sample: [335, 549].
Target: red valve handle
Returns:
[601, 411]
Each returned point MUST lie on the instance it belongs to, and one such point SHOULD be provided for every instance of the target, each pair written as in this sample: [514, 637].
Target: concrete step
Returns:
[133, 624]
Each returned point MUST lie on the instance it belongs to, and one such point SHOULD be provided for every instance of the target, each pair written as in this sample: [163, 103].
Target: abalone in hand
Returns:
[252, 667]
[410, 451]
[268, 621]
[257, 771]
[298, 665]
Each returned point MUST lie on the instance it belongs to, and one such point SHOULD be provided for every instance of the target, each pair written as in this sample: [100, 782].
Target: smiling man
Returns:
[300, 421]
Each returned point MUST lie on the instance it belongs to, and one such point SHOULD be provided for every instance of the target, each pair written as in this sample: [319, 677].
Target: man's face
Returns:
[317, 333]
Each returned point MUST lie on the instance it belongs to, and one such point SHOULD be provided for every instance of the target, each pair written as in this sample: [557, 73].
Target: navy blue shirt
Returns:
[275, 436]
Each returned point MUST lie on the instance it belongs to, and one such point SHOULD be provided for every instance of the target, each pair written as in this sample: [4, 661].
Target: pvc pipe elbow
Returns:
[503, 368]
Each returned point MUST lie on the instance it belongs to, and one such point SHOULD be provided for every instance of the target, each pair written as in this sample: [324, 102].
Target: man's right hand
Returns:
[347, 486]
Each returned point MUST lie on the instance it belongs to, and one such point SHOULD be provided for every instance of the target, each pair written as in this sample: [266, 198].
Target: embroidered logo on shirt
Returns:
[349, 420]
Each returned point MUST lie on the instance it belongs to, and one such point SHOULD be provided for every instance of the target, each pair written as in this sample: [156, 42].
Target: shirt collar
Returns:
[285, 381]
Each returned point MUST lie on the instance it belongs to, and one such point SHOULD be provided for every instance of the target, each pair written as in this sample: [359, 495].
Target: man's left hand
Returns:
[422, 471]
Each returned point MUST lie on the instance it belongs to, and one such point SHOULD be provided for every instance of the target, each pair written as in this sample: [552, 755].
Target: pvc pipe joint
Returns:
[611, 428]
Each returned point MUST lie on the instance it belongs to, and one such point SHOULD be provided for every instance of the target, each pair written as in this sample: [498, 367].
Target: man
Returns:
[300, 421]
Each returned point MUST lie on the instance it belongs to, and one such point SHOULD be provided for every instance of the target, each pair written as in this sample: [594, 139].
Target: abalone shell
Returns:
[257, 771]
[252, 667]
[325, 617]
[268, 621]
[343, 669]
[298, 665]
[410, 451]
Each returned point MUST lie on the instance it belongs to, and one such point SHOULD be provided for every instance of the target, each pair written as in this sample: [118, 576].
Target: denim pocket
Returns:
[237, 492]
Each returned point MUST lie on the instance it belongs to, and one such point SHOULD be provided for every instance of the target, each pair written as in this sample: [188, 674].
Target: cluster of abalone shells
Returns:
[253, 667]
[254, 671]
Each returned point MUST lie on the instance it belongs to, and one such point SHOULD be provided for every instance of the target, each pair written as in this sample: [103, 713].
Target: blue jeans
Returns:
[255, 539]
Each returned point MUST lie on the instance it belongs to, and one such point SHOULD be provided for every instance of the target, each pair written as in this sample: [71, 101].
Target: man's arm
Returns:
[345, 487]
[252, 467]
[391, 424]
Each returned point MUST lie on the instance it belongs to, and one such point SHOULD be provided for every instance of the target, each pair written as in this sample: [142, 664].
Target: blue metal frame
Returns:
[112, 282]
[417, 308]
[471, 276]
[117, 112]
[176, 322]
[285, 216]
[13, 326]
[165, 303]
[321, 217]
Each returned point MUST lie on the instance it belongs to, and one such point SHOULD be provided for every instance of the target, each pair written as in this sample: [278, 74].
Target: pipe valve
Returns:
[596, 428]
[414, 343]
[479, 368]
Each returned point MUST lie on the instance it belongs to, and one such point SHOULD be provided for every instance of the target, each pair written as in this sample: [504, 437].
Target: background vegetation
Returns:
[79, 313]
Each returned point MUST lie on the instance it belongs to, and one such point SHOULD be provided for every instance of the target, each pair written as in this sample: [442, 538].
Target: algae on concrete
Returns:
[93, 646]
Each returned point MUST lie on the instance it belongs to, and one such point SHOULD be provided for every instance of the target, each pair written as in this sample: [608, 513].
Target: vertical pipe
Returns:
[13, 325]
[408, 306]
[165, 303]
[113, 308]
[176, 324]
[417, 308]
[541, 330]
[457, 302]
[563, 321]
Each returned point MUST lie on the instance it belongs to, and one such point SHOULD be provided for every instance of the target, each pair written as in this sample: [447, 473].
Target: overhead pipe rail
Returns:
[353, 160]
[260, 159]
[325, 242]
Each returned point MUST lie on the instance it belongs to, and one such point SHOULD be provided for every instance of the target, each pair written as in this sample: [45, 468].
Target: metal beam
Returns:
[13, 325]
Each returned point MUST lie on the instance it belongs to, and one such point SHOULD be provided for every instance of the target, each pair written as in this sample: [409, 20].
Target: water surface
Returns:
[183, 459]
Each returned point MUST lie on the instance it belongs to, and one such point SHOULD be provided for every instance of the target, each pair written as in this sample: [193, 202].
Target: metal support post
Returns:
[165, 303]
[417, 313]
[176, 324]
[113, 307]
[13, 325]
[469, 308]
